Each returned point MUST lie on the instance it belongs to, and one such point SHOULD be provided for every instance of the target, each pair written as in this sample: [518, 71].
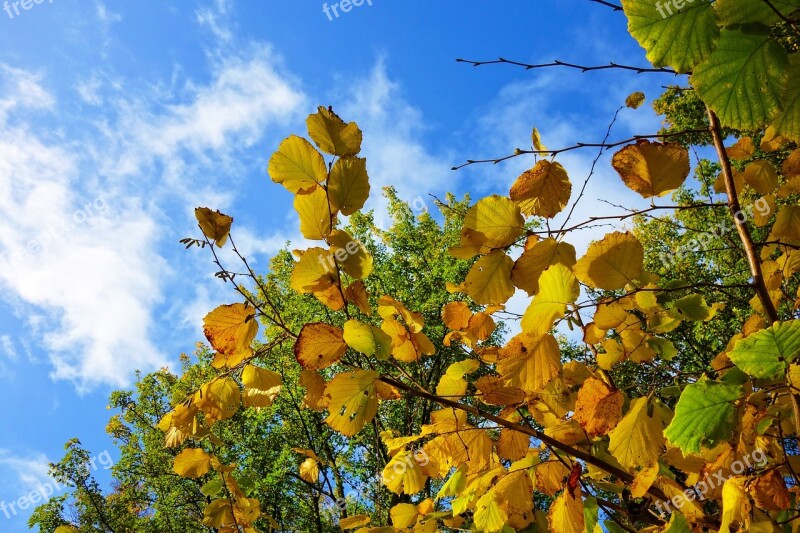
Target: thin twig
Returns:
[559, 63]
[578, 146]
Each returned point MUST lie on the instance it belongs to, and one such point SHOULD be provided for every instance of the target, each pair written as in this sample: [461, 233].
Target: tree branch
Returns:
[577, 146]
[735, 209]
[578, 454]
[558, 63]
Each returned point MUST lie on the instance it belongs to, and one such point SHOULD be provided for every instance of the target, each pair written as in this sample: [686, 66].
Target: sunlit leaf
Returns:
[297, 165]
[652, 168]
[543, 190]
[215, 225]
[319, 345]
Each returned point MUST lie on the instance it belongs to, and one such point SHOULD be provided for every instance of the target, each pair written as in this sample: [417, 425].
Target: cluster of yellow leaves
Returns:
[488, 475]
[232, 511]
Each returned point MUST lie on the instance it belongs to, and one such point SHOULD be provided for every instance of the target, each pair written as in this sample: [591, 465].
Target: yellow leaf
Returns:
[644, 480]
[367, 339]
[490, 516]
[309, 470]
[609, 316]
[332, 135]
[611, 263]
[536, 141]
[652, 168]
[404, 515]
[297, 165]
[389, 307]
[761, 176]
[403, 475]
[214, 224]
[348, 186]
[356, 294]
[557, 289]
[512, 445]
[219, 399]
[791, 165]
[743, 149]
[787, 224]
[566, 514]
[315, 390]
[489, 279]
[352, 522]
[319, 345]
[543, 190]
[598, 407]
[494, 391]
[735, 505]
[218, 514]
[230, 329]
[352, 401]
[530, 265]
[493, 222]
[314, 272]
[456, 315]
[770, 493]
[634, 100]
[67, 529]
[639, 437]
[315, 214]
[530, 362]
[550, 476]
[452, 383]
[261, 386]
[354, 259]
[192, 463]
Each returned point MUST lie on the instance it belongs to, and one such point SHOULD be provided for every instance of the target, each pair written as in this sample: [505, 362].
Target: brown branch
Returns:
[733, 206]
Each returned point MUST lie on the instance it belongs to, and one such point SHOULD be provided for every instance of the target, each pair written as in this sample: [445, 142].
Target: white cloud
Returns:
[87, 272]
[215, 19]
[28, 472]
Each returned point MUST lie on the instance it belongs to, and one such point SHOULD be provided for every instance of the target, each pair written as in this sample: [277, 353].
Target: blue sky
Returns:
[117, 119]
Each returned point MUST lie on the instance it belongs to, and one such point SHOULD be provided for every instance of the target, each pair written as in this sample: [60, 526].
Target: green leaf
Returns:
[765, 354]
[735, 12]
[679, 38]
[704, 416]
[678, 524]
[743, 79]
[693, 307]
[787, 122]
[591, 512]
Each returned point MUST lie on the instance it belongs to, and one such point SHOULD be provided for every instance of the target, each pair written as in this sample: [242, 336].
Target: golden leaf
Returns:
[215, 225]
[230, 329]
[319, 346]
[352, 401]
[192, 463]
[598, 407]
[297, 165]
[612, 262]
[489, 279]
[543, 190]
[332, 135]
[652, 168]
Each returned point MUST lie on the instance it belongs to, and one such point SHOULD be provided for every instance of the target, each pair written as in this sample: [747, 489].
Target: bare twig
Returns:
[603, 145]
[558, 63]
